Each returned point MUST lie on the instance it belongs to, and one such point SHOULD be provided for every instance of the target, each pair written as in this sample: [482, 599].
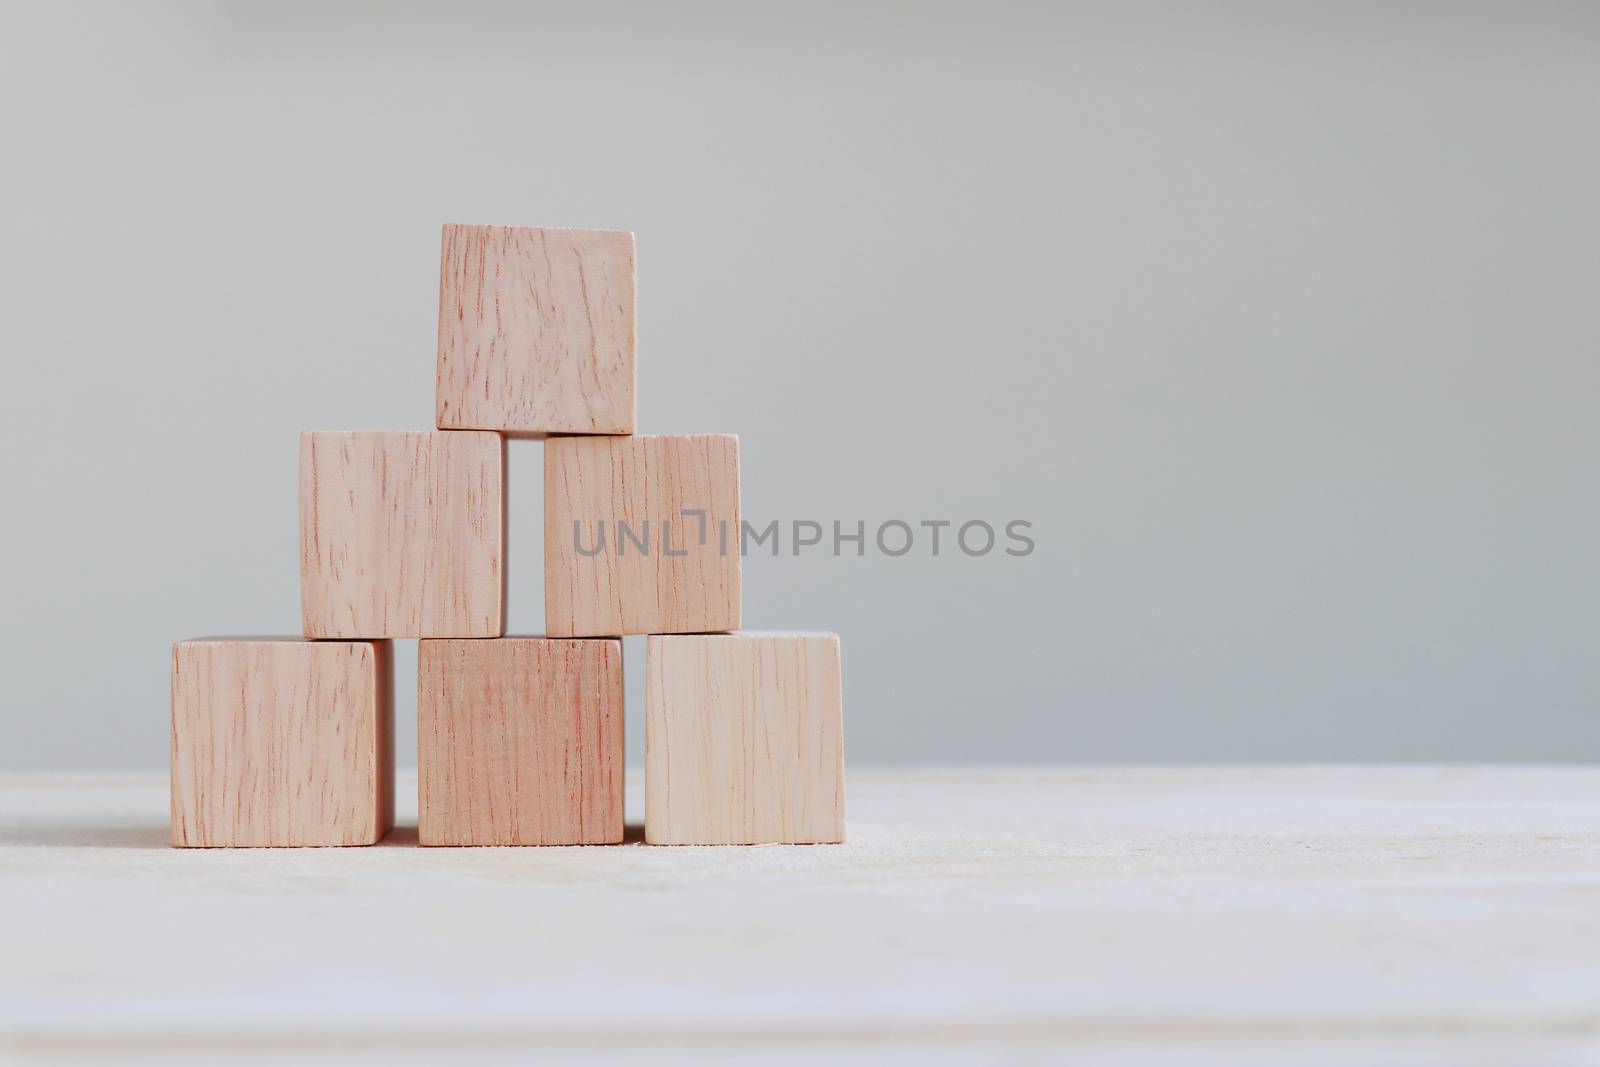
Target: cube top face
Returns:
[744, 739]
[641, 535]
[536, 330]
[519, 742]
[402, 534]
[281, 742]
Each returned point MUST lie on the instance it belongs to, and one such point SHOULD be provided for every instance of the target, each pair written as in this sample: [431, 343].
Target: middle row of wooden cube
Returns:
[403, 534]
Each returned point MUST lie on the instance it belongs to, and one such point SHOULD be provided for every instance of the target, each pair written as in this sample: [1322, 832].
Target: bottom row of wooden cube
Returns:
[284, 742]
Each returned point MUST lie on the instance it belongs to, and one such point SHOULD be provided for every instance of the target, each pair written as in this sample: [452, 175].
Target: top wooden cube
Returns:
[536, 330]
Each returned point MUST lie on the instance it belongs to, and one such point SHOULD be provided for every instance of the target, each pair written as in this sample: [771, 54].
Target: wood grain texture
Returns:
[402, 534]
[624, 491]
[281, 742]
[744, 739]
[536, 330]
[519, 742]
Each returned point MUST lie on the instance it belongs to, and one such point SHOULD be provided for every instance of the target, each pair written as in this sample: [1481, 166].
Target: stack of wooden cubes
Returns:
[290, 741]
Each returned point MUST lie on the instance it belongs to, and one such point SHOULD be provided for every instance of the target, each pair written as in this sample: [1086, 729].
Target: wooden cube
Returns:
[744, 739]
[641, 535]
[536, 330]
[401, 534]
[280, 741]
[519, 742]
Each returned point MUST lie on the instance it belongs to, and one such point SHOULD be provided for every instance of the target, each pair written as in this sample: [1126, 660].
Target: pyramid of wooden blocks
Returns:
[401, 535]
[744, 739]
[519, 742]
[536, 330]
[641, 535]
[519, 739]
[282, 742]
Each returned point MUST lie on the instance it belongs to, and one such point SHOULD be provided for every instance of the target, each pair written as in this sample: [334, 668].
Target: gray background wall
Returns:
[1277, 320]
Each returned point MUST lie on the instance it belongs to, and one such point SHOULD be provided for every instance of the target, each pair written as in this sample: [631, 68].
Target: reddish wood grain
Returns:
[519, 742]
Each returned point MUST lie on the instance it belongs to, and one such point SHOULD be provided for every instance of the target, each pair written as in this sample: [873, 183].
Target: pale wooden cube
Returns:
[744, 739]
[604, 498]
[536, 330]
[281, 742]
[519, 742]
[402, 534]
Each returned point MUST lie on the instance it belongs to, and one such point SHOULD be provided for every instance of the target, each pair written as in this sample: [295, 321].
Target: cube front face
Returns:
[519, 742]
[641, 535]
[402, 534]
[536, 330]
[744, 740]
[282, 743]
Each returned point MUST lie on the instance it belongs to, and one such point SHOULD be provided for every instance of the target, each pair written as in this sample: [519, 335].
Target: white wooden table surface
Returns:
[1226, 915]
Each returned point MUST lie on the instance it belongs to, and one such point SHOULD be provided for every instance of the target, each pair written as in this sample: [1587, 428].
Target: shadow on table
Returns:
[85, 836]
[78, 835]
[406, 836]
